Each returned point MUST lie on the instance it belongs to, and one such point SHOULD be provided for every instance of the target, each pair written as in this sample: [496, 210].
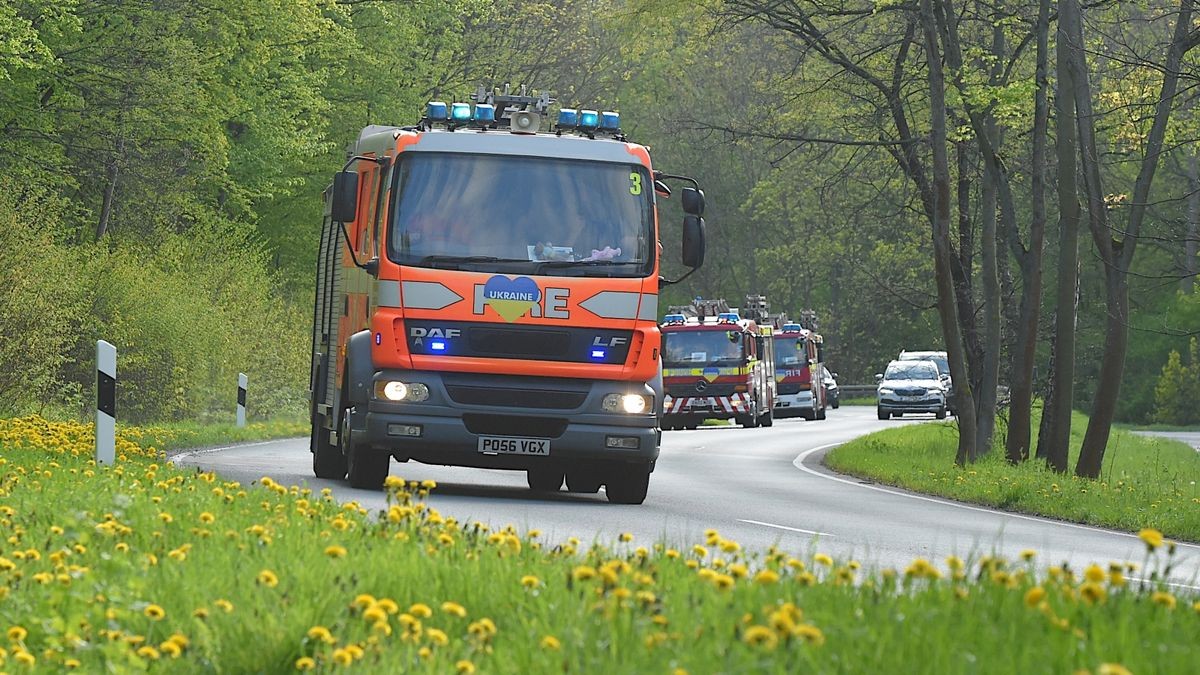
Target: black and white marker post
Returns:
[241, 407]
[106, 402]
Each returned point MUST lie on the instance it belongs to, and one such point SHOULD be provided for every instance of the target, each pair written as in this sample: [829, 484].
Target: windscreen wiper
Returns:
[570, 264]
[458, 259]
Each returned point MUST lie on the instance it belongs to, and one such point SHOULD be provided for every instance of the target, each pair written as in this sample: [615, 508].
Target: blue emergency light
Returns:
[437, 345]
[436, 110]
[484, 112]
[674, 318]
[460, 112]
[610, 121]
[589, 119]
[568, 118]
[598, 354]
[793, 327]
[727, 317]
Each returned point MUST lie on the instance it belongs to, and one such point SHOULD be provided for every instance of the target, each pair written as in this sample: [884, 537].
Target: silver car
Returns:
[910, 387]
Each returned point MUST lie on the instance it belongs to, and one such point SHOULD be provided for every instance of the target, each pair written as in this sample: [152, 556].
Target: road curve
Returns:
[756, 486]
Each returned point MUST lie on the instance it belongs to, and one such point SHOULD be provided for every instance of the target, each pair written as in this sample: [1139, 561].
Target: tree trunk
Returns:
[1192, 239]
[990, 365]
[111, 175]
[1024, 352]
[1055, 445]
[942, 249]
[962, 269]
[1117, 255]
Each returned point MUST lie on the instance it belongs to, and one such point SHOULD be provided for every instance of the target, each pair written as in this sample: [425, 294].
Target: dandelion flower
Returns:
[24, 658]
[224, 605]
[1094, 573]
[1152, 537]
[551, 643]
[207, 518]
[305, 663]
[148, 652]
[583, 573]
[342, 657]
[454, 609]
[823, 559]
[335, 551]
[530, 581]
[420, 610]
[810, 634]
[1112, 669]
[1163, 598]
[723, 581]
[322, 634]
[388, 605]
[363, 600]
[626, 536]
[171, 649]
[267, 578]
[374, 614]
[155, 612]
[71, 664]
[464, 667]
[437, 637]
[1092, 592]
[1028, 554]
[17, 634]
[1034, 596]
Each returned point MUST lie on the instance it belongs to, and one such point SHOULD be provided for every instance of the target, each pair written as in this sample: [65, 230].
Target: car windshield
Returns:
[790, 352]
[911, 370]
[943, 365]
[530, 215]
[702, 348]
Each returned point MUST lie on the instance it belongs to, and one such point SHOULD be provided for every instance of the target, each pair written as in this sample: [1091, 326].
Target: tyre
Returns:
[586, 482]
[750, 420]
[545, 479]
[328, 460]
[768, 419]
[628, 485]
[882, 414]
[819, 414]
[366, 468]
[834, 403]
[941, 414]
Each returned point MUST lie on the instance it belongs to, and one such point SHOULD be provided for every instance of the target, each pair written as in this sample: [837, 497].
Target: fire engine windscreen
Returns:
[522, 214]
[790, 352]
[691, 349]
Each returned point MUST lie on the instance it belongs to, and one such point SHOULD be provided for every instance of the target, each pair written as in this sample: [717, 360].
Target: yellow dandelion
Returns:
[1152, 537]
[71, 664]
[437, 637]
[148, 652]
[421, 611]
[530, 581]
[823, 559]
[1112, 669]
[551, 643]
[626, 536]
[171, 649]
[723, 581]
[699, 551]
[1094, 573]
[1092, 592]
[1034, 596]
[322, 634]
[388, 605]
[583, 573]
[382, 627]
[760, 636]
[766, 577]
[428, 484]
[1163, 598]
[374, 613]
[24, 658]
[224, 605]
[464, 667]
[363, 600]
[305, 663]
[155, 612]
[454, 609]
[810, 634]
[207, 518]
[335, 551]
[267, 578]
[343, 657]
[17, 634]
[1028, 554]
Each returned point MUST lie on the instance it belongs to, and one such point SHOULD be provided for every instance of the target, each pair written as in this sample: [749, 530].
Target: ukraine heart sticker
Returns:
[711, 374]
[511, 298]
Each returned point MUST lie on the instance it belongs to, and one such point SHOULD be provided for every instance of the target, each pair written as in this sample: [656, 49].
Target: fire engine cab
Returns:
[799, 365]
[716, 365]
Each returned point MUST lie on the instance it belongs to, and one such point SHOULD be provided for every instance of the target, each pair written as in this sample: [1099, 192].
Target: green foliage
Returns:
[1178, 389]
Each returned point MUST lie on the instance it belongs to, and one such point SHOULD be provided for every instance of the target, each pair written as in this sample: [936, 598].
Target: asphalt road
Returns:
[756, 486]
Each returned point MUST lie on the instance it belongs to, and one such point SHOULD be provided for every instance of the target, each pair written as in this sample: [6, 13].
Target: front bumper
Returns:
[800, 401]
[929, 405]
[567, 412]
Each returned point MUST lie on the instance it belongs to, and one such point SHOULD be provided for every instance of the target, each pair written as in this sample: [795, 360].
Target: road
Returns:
[1192, 438]
[756, 486]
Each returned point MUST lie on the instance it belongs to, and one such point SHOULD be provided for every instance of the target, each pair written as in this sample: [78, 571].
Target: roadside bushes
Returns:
[186, 311]
[1178, 389]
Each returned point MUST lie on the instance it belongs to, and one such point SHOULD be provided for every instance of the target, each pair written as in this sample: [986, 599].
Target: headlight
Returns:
[886, 390]
[411, 392]
[634, 404]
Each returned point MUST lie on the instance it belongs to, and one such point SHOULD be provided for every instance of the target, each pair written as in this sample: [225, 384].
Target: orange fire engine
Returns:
[487, 296]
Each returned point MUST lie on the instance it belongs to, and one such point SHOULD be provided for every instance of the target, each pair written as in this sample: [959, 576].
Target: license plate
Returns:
[508, 445]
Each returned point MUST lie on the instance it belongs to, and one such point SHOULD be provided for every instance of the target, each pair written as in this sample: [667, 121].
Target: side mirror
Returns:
[834, 375]
[345, 197]
[693, 239]
[693, 202]
[878, 377]
[661, 188]
[371, 267]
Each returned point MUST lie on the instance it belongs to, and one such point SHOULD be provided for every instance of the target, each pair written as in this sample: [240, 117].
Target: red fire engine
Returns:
[716, 365]
[799, 354]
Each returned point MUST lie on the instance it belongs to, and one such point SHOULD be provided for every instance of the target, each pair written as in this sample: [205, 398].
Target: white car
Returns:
[910, 387]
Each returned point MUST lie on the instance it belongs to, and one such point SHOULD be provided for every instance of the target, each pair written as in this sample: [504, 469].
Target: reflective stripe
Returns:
[387, 293]
[427, 295]
[622, 305]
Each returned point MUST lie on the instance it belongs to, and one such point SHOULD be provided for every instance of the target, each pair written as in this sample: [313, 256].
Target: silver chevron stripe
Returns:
[622, 305]
[428, 295]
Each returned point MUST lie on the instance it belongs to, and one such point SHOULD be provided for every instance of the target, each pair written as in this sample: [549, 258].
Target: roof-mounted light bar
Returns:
[673, 319]
[727, 317]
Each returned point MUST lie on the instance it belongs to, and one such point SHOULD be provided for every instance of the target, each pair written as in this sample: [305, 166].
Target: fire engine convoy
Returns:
[717, 364]
[799, 366]
[487, 296]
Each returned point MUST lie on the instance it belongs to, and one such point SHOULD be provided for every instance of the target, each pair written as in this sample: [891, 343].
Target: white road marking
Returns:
[204, 451]
[785, 527]
[799, 464]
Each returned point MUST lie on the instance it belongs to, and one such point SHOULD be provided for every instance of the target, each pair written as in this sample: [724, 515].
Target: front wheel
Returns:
[882, 414]
[545, 479]
[768, 419]
[328, 460]
[365, 468]
[941, 414]
[834, 403]
[628, 485]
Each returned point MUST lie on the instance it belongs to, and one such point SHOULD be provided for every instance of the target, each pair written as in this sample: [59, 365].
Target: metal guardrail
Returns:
[855, 390]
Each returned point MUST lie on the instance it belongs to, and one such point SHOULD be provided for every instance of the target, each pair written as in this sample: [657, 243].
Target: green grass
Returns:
[861, 400]
[102, 563]
[1146, 482]
[180, 435]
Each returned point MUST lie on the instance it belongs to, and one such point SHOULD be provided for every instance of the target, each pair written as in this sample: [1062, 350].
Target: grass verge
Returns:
[142, 566]
[1146, 482]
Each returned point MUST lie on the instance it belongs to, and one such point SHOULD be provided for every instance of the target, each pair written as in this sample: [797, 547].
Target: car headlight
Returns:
[394, 390]
[886, 390]
[633, 404]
